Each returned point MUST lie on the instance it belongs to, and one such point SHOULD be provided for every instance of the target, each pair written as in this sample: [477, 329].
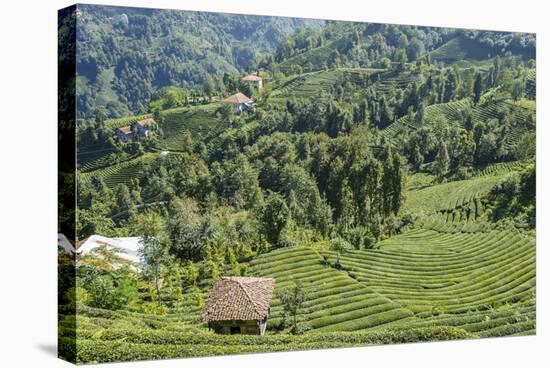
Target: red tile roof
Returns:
[237, 98]
[252, 78]
[239, 298]
[146, 122]
[126, 129]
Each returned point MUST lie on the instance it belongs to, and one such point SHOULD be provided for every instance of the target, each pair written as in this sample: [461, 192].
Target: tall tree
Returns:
[442, 161]
[209, 86]
[292, 300]
[153, 249]
[124, 203]
[478, 88]
[397, 184]
[275, 217]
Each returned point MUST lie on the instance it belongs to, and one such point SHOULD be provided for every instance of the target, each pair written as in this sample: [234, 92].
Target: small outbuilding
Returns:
[239, 305]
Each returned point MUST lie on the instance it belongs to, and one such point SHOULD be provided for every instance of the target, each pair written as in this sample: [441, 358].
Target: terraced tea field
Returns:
[451, 112]
[457, 49]
[457, 273]
[106, 336]
[456, 206]
[121, 173]
[392, 79]
[333, 298]
[98, 161]
[308, 85]
[422, 278]
[202, 123]
[420, 286]
[449, 196]
[316, 57]
[501, 168]
[127, 120]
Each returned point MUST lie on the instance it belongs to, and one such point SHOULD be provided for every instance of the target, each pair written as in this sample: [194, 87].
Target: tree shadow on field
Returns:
[50, 349]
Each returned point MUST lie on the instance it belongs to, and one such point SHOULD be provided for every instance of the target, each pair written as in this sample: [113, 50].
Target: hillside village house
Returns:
[124, 134]
[144, 127]
[254, 80]
[139, 129]
[239, 305]
[240, 102]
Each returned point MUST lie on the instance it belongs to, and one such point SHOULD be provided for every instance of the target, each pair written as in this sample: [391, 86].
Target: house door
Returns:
[235, 330]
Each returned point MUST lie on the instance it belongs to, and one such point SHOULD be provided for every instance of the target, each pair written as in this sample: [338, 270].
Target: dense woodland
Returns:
[361, 135]
[126, 55]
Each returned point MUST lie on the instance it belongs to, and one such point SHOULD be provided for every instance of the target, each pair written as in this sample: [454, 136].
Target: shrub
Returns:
[128, 344]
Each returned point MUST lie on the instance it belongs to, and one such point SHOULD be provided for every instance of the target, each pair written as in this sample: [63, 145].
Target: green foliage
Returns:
[147, 346]
[185, 229]
[109, 291]
[292, 300]
[275, 217]
[191, 273]
[515, 198]
[339, 245]
[168, 98]
[442, 161]
[525, 147]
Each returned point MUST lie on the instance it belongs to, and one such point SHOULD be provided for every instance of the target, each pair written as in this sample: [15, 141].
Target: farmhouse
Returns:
[124, 134]
[139, 129]
[254, 80]
[239, 305]
[143, 127]
[240, 102]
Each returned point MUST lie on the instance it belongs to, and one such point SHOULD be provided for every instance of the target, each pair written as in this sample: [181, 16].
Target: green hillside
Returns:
[121, 173]
[451, 113]
[460, 48]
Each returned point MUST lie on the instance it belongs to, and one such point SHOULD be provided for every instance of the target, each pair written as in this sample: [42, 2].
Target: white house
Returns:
[139, 129]
[254, 80]
[240, 102]
[143, 127]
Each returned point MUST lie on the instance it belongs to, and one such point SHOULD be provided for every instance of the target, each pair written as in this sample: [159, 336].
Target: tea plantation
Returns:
[382, 176]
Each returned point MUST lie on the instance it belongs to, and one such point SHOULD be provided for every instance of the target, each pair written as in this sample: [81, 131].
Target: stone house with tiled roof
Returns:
[139, 129]
[124, 134]
[254, 80]
[239, 305]
[143, 127]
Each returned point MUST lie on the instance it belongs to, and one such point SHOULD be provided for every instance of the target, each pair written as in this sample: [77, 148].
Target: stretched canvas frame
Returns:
[235, 184]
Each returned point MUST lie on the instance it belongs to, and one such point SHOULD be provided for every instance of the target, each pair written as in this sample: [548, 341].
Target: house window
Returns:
[235, 330]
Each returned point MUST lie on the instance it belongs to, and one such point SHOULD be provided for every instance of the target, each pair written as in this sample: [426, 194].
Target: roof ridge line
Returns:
[249, 297]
